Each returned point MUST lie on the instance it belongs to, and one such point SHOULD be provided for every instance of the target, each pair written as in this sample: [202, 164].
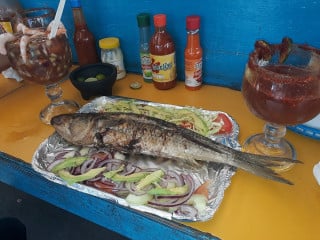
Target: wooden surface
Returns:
[8, 86]
[252, 208]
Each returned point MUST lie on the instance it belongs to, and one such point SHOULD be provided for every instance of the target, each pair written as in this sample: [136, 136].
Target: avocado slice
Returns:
[150, 178]
[69, 162]
[134, 177]
[70, 179]
[169, 191]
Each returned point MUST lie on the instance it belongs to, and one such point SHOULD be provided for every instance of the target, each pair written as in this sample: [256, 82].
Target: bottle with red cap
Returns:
[83, 39]
[193, 54]
[162, 54]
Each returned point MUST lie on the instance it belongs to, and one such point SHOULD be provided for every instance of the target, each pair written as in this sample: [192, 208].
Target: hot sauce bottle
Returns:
[83, 39]
[144, 32]
[193, 54]
[162, 53]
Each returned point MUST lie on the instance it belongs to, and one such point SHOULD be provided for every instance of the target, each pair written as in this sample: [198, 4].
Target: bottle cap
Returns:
[160, 20]
[108, 43]
[75, 3]
[143, 19]
[193, 22]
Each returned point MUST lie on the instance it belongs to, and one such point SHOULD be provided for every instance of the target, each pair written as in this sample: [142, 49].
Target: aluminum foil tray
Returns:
[219, 174]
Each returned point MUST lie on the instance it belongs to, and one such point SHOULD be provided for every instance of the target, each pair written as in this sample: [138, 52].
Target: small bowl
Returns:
[83, 79]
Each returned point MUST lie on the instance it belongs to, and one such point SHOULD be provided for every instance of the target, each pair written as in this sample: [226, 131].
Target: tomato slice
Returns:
[103, 187]
[225, 122]
[203, 189]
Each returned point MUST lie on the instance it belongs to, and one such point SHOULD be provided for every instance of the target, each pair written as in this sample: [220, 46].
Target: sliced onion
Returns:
[102, 163]
[120, 189]
[174, 175]
[130, 168]
[187, 211]
[97, 178]
[120, 186]
[107, 181]
[173, 201]
[173, 178]
[54, 163]
[75, 170]
[66, 153]
[87, 165]
[150, 169]
[113, 164]
[132, 187]
[104, 158]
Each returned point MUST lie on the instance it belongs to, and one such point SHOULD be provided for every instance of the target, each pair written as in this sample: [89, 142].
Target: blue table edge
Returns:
[306, 131]
[125, 221]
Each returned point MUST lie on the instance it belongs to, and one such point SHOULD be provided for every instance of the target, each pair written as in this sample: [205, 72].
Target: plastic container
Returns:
[83, 39]
[163, 55]
[112, 53]
[193, 54]
[144, 33]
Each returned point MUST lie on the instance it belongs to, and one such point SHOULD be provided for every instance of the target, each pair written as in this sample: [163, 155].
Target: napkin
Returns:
[11, 73]
[316, 172]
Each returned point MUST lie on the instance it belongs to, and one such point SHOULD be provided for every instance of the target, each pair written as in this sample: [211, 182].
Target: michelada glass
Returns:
[281, 85]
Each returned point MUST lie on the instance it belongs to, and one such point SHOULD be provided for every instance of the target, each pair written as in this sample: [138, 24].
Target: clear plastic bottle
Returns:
[112, 53]
[163, 55]
[144, 32]
[193, 54]
[83, 39]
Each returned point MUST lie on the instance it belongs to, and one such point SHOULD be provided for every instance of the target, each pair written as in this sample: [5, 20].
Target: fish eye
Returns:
[56, 120]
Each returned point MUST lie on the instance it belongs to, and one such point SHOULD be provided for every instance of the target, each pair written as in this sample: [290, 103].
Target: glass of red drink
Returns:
[44, 61]
[281, 85]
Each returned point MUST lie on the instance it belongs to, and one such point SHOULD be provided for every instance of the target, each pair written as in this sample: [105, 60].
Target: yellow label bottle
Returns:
[162, 53]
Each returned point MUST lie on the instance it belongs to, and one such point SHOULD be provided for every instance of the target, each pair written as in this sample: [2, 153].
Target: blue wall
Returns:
[229, 28]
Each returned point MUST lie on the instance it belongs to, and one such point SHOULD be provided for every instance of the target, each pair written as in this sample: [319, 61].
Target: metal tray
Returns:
[220, 174]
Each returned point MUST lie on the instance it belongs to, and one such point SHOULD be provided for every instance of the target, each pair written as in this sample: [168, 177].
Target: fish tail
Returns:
[261, 165]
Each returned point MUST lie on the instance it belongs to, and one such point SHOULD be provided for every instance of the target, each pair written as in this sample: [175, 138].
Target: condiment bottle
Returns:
[83, 39]
[162, 53]
[6, 22]
[144, 32]
[8, 14]
[5, 27]
[112, 53]
[193, 54]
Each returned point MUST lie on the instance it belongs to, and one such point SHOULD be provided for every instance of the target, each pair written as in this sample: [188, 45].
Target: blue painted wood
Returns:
[228, 28]
[125, 221]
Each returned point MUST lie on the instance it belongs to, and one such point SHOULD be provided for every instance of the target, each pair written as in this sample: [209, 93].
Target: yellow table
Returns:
[252, 208]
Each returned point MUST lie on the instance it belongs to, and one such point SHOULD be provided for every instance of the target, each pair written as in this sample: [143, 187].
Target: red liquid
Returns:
[83, 39]
[282, 94]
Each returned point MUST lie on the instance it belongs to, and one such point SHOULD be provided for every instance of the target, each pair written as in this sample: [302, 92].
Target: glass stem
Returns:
[273, 134]
[54, 92]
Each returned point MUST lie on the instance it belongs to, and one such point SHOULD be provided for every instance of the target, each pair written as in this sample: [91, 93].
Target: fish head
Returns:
[75, 128]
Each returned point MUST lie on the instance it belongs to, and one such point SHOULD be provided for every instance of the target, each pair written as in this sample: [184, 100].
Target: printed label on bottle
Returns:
[163, 67]
[193, 72]
[146, 66]
[6, 26]
[121, 72]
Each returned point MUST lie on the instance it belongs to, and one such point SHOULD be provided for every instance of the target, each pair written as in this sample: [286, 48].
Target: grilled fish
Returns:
[140, 134]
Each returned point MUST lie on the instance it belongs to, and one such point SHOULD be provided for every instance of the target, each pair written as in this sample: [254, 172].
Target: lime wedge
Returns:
[91, 79]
